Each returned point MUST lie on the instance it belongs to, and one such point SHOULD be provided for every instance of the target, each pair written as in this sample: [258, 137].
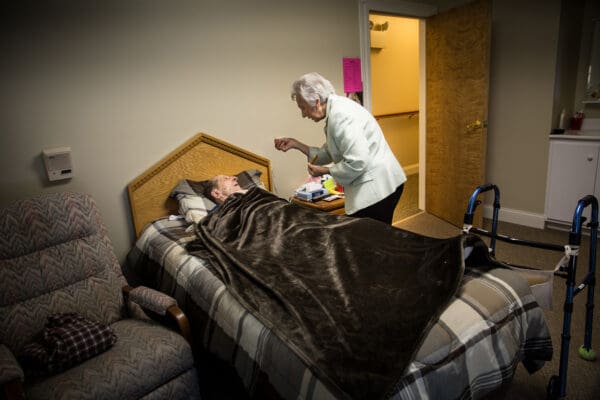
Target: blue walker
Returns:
[557, 386]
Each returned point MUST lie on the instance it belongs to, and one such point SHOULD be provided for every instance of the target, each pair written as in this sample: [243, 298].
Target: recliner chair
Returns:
[56, 257]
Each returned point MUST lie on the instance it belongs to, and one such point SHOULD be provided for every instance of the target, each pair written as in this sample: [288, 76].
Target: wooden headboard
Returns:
[200, 158]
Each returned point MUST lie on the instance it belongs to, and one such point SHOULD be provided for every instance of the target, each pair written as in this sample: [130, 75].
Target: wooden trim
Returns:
[400, 114]
[174, 313]
[178, 316]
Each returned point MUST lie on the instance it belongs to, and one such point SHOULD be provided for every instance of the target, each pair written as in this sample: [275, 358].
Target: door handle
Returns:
[477, 124]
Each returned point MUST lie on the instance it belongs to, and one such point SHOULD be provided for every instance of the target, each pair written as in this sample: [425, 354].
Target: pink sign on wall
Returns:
[352, 76]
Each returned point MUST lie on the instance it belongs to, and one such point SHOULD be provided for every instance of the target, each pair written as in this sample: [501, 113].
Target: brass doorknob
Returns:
[477, 124]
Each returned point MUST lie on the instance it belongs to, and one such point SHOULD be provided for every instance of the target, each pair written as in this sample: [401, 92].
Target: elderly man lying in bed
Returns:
[222, 186]
[353, 296]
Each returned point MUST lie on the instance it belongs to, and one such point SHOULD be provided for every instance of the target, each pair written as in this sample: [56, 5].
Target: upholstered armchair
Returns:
[55, 257]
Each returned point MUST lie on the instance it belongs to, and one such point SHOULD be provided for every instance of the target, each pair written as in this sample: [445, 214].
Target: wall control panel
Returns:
[58, 164]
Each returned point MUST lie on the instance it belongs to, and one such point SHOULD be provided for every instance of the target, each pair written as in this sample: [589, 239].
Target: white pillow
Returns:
[193, 207]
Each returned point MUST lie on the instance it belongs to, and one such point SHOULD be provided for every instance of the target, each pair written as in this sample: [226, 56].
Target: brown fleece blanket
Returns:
[352, 297]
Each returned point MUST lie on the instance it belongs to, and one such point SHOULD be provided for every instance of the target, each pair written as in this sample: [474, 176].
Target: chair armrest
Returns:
[161, 304]
[11, 375]
[149, 299]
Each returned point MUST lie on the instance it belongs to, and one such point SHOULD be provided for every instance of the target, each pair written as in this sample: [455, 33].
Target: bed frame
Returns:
[200, 158]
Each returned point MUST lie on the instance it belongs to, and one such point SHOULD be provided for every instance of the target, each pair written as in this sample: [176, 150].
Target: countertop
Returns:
[590, 130]
[592, 135]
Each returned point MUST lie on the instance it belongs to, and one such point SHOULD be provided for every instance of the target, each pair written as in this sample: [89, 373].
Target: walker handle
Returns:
[473, 202]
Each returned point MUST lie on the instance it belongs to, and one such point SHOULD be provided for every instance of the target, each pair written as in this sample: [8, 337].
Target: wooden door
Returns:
[457, 53]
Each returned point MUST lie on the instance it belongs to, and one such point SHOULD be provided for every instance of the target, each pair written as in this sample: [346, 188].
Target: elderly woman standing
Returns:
[355, 149]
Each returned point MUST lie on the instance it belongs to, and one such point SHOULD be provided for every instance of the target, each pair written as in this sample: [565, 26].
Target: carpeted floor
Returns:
[583, 377]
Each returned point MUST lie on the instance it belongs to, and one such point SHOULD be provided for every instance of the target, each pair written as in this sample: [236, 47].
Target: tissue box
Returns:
[312, 195]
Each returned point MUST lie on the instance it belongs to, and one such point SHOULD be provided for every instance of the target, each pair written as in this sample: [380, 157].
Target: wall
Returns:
[536, 70]
[522, 75]
[591, 11]
[395, 68]
[395, 86]
[569, 43]
[125, 82]
[402, 134]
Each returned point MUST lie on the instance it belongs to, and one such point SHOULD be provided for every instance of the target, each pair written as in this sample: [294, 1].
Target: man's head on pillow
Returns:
[222, 186]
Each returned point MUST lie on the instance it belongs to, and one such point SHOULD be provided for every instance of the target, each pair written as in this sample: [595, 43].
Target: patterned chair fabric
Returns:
[151, 299]
[55, 257]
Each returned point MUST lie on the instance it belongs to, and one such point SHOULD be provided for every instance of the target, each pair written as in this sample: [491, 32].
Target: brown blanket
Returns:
[352, 297]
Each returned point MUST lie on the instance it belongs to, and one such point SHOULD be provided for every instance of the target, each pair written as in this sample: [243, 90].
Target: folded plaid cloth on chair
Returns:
[67, 340]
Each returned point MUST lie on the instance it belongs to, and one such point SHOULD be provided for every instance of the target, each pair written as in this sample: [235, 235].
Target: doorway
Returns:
[455, 49]
[394, 63]
[415, 12]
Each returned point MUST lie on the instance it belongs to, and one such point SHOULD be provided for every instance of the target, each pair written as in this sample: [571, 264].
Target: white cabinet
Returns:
[573, 172]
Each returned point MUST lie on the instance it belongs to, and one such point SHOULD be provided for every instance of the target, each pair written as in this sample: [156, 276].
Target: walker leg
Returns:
[565, 342]
[552, 390]
[557, 387]
[566, 333]
[585, 351]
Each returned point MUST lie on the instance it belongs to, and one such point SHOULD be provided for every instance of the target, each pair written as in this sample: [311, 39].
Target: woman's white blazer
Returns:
[362, 159]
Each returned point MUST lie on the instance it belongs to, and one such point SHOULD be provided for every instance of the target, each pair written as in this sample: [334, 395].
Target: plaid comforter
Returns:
[493, 323]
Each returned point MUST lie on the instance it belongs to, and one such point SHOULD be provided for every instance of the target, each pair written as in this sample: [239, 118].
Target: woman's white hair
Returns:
[311, 87]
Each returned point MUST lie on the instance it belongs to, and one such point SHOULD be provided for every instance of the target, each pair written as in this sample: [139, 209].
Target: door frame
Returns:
[409, 10]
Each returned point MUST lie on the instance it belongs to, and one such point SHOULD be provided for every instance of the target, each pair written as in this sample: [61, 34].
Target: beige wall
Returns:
[402, 134]
[522, 74]
[395, 85]
[537, 68]
[395, 68]
[125, 82]
[591, 11]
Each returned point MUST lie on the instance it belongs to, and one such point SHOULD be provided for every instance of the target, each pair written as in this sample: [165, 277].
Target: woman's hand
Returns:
[317, 170]
[284, 143]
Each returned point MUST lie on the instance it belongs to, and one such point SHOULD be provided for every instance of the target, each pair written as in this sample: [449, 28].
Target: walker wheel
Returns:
[552, 390]
[587, 354]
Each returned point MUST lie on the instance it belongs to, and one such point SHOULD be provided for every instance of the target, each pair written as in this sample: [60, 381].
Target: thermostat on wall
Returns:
[57, 161]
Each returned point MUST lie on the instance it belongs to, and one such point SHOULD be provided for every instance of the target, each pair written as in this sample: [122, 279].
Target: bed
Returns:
[469, 345]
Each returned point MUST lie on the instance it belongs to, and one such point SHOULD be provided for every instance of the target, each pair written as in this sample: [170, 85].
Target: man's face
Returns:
[227, 184]
[315, 112]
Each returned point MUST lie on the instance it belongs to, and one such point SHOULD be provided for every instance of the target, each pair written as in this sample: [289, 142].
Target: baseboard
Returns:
[411, 169]
[531, 220]
[558, 225]
[518, 217]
